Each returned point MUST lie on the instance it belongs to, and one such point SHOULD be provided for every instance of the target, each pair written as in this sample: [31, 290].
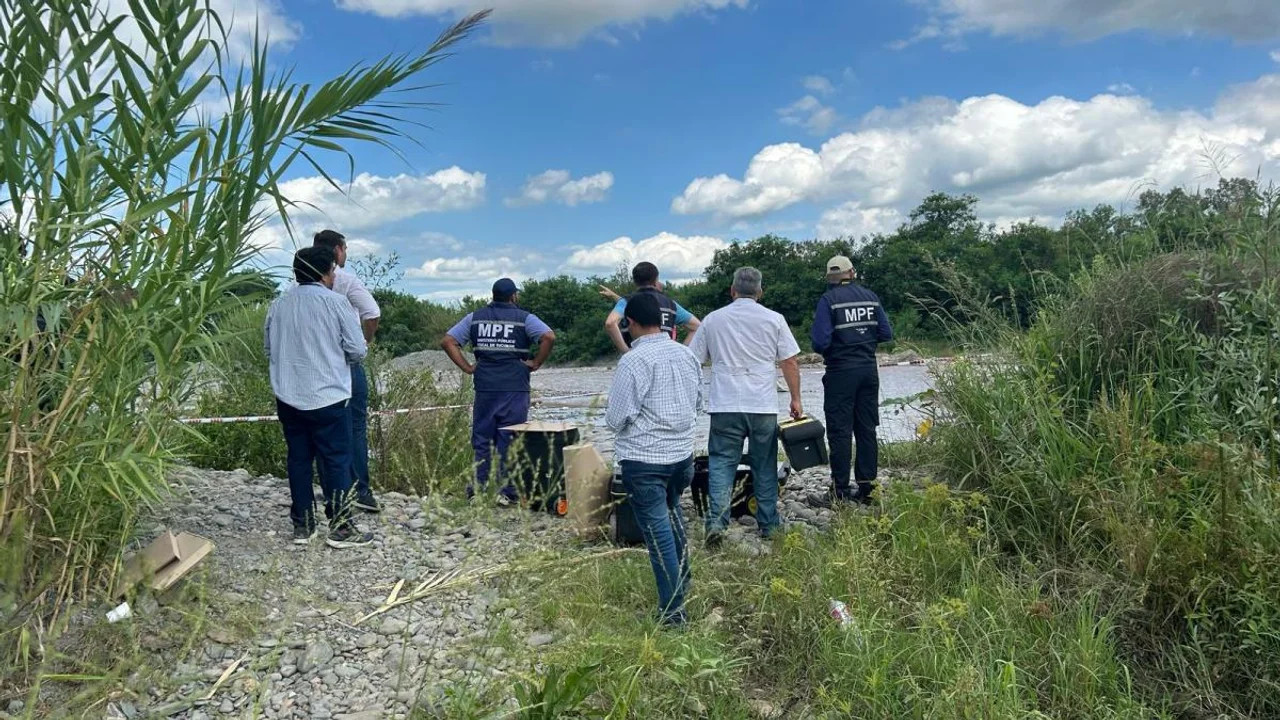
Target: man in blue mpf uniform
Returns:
[501, 334]
[847, 327]
[645, 276]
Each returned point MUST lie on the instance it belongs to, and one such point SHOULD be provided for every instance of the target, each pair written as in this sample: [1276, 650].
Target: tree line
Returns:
[920, 270]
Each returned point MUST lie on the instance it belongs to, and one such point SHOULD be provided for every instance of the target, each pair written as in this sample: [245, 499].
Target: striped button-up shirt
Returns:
[653, 401]
[312, 337]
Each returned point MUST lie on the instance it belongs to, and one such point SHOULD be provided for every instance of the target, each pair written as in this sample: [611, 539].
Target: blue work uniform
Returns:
[501, 335]
[672, 314]
[848, 325]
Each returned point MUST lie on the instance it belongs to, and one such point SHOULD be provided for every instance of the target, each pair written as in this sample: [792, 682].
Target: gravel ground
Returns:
[306, 656]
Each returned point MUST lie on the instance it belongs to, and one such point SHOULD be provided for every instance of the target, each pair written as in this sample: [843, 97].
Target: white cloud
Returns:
[1121, 89]
[1021, 160]
[558, 186]
[1245, 20]
[358, 246]
[1275, 56]
[677, 257]
[468, 268]
[819, 84]
[851, 220]
[372, 200]
[809, 112]
[241, 18]
[557, 23]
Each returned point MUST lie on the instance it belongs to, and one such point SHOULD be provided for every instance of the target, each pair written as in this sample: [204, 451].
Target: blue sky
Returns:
[579, 135]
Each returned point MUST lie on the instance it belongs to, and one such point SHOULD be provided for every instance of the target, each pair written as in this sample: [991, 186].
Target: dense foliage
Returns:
[126, 209]
[1130, 442]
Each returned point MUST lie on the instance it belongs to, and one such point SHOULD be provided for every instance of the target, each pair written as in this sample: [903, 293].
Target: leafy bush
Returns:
[1132, 434]
[240, 385]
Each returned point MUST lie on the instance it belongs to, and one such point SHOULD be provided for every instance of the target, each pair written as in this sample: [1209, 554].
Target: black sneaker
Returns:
[302, 534]
[368, 503]
[348, 536]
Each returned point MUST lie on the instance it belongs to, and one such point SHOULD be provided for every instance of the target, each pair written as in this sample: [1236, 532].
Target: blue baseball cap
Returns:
[504, 288]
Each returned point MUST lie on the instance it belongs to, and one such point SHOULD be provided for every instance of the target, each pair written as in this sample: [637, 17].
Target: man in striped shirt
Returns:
[312, 337]
[653, 403]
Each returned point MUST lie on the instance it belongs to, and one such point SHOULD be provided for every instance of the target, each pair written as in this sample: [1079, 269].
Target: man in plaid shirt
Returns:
[653, 403]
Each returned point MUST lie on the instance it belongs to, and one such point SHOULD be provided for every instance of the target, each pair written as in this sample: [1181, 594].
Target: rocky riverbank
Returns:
[286, 619]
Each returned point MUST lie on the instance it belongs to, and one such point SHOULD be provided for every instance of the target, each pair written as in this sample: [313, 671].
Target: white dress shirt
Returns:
[312, 338]
[744, 342]
[349, 286]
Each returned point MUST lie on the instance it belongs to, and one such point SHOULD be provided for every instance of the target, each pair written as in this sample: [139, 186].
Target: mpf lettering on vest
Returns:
[495, 329]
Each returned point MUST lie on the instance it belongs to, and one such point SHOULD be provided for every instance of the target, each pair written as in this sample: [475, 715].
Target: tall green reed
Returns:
[135, 168]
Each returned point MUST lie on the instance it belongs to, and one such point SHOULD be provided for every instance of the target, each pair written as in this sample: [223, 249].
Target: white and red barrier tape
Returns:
[398, 411]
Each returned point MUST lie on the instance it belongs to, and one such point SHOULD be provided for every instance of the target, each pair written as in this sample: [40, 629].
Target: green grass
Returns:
[944, 627]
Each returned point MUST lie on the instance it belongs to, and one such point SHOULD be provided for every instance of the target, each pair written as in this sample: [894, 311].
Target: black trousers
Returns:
[322, 435]
[851, 403]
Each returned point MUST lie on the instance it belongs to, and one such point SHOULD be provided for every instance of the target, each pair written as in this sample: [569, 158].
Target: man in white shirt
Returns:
[349, 286]
[746, 342]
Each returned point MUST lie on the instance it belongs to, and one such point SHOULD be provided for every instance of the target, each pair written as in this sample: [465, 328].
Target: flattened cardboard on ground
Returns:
[587, 478]
[164, 561]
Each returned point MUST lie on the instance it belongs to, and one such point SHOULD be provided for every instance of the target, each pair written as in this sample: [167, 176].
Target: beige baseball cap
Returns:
[839, 265]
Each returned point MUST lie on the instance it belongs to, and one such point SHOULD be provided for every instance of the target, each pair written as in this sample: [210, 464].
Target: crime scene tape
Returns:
[398, 411]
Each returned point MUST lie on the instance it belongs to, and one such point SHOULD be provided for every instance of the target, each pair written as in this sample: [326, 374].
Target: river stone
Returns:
[392, 626]
[318, 655]
[541, 639]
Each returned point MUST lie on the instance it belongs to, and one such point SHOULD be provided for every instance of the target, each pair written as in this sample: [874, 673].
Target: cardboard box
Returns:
[587, 478]
[164, 561]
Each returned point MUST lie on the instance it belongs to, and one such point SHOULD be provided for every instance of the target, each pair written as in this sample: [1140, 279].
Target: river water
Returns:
[897, 423]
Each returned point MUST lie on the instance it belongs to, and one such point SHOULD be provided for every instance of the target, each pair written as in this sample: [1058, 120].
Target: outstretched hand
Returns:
[607, 293]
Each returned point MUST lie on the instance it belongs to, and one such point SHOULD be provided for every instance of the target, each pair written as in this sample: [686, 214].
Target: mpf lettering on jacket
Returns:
[859, 314]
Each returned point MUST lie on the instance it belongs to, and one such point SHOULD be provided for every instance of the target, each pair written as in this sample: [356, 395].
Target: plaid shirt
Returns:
[653, 401]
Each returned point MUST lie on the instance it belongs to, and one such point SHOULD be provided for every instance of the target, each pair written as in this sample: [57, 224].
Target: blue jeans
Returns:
[360, 431]
[493, 410]
[321, 436]
[724, 452]
[653, 492]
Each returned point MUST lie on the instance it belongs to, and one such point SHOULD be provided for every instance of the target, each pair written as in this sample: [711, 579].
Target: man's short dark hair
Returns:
[644, 274]
[312, 263]
[331, 239]
[642, 309]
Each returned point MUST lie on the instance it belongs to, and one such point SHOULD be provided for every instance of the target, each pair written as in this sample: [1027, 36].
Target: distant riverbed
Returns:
[896, 424]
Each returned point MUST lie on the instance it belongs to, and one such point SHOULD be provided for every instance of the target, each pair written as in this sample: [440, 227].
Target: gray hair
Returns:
[746, 282]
